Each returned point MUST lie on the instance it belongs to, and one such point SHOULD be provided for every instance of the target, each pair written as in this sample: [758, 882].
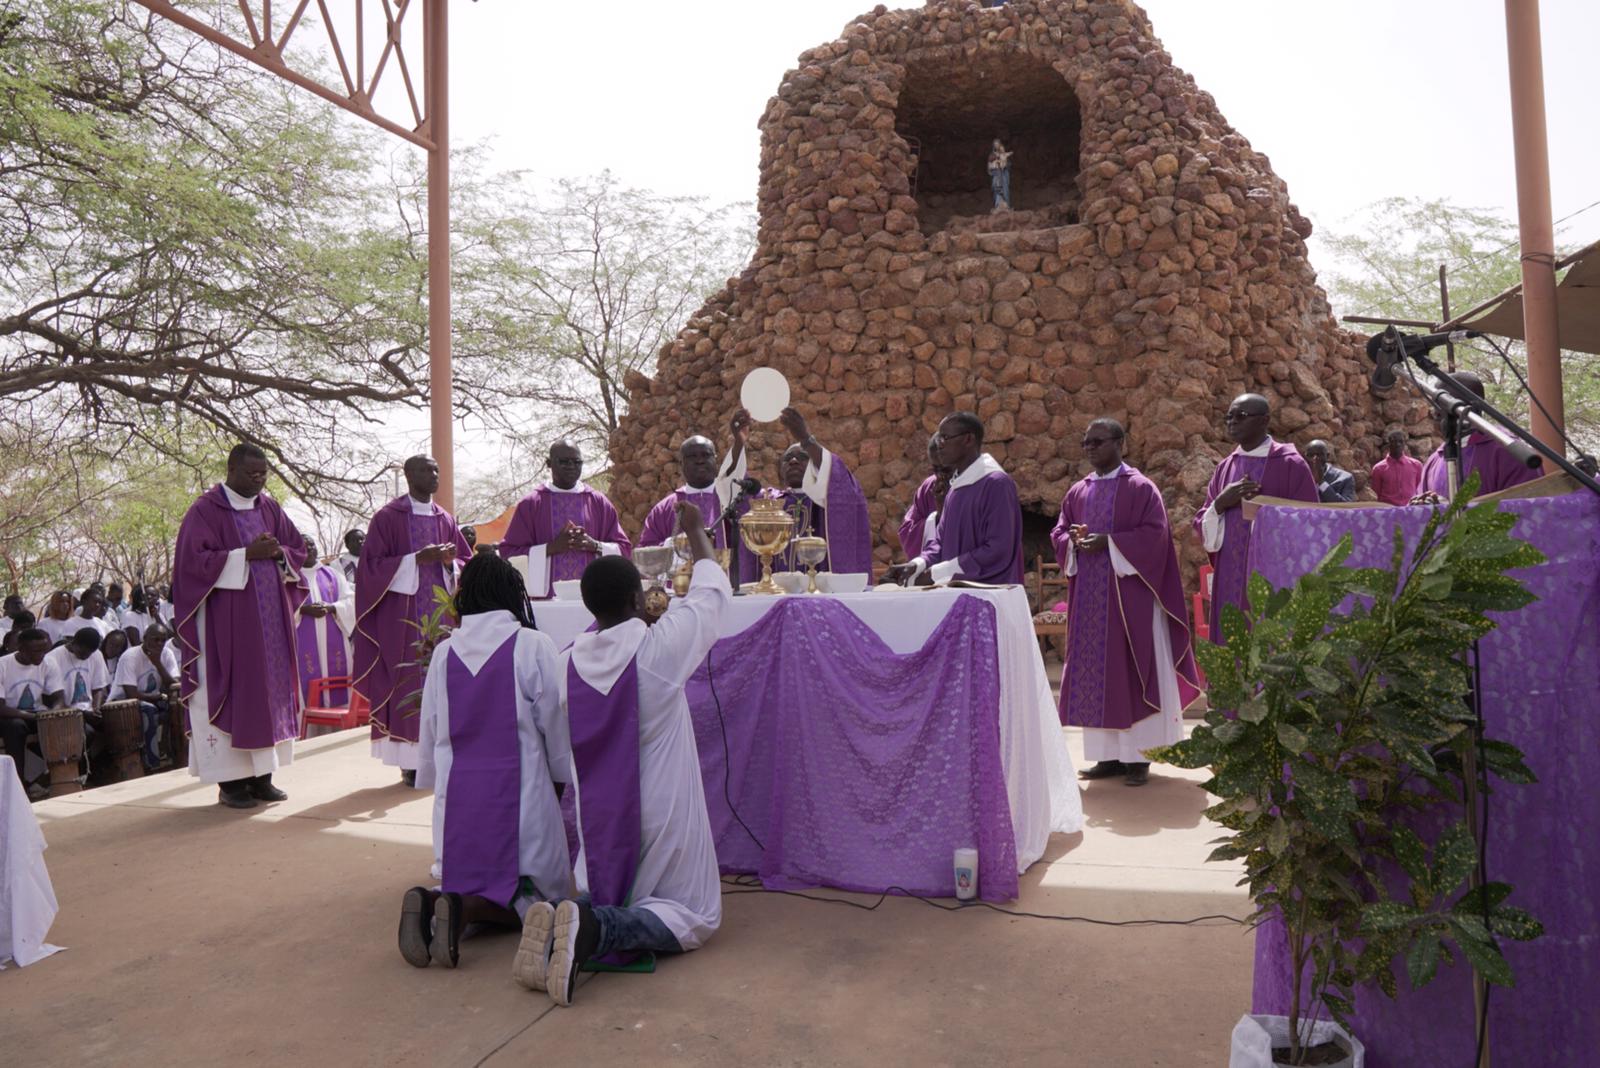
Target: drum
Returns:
[124, 739]
[177, 728]
[61, 740]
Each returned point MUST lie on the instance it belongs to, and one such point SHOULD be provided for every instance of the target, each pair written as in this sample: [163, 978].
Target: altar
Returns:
[858, 740]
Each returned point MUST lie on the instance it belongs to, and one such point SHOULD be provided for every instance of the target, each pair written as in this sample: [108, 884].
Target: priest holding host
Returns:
[408, 559]
[562, 526]
[237, 585]
[1128, 670]
[703, 486]
[818, 489]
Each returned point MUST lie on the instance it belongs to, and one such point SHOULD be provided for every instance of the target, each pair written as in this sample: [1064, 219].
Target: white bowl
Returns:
[792, 581]
[569, 590]
[850, 582]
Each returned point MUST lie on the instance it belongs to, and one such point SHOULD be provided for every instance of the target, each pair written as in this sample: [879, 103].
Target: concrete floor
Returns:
[200, 935]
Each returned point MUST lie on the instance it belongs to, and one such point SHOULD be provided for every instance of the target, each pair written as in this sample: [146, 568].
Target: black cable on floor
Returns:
[727, 760]
[740, 886]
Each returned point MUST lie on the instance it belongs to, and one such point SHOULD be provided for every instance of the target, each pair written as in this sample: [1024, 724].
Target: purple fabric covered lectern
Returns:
[1541, 678]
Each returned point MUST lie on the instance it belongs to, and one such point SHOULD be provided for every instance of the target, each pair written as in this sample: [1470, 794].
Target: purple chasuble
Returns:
[386, 671]
[1496, 468]
[981, 526]
[923, 504]
[843, 523]
[662, 522]
[483, 817]
[252, 687]
[309, 653]
[1282, 472]
[1112, 678]
[1083, 689]
[546, 511]
[605, 750]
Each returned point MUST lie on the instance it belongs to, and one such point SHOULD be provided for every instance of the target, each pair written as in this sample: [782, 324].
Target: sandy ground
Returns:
[200, 935]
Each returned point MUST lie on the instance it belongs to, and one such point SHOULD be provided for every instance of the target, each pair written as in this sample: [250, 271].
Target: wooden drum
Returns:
[177, 728]
[124, 739]
[61, 741]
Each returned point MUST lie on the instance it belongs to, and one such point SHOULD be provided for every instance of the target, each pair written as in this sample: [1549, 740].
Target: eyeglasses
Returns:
[1095, 443]
[1235, 417]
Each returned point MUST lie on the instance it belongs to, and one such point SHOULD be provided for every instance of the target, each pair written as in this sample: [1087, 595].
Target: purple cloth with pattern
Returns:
[605, 751]
[1282, 472]
[545, 512]
[981, 526]
[923, 504]
[1495, 467]
[1541, 671]
[485, 787]
[855, 766]
[309, 651]
[662, 522]
[1085, 671]
[386, 672]
[252, 687]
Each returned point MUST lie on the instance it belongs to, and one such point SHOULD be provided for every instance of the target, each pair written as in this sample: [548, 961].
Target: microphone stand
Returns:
[1461, 409]
[730, 516]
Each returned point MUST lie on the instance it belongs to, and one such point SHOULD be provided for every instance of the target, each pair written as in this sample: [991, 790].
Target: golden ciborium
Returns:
[766, 529]
[685, 571]
[810, 551]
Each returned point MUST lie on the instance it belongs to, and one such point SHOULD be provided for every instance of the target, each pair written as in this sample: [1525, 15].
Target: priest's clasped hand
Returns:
[265, 547]
[1236, 494]
[572, 539]
[436, 554]
[1086, 542]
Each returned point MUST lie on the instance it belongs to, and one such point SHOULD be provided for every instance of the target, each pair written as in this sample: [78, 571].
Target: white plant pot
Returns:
[1255, 1036]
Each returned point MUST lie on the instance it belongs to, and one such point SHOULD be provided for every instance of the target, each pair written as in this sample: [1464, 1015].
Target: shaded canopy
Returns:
[1577, 306]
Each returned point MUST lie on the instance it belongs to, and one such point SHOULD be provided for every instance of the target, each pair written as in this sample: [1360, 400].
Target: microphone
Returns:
[747, 487]
[1391, 347]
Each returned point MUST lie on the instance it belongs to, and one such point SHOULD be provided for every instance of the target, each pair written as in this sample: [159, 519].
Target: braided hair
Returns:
[490, 584]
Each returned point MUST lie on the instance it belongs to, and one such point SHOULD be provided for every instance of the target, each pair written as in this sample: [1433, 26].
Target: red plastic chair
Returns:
[339, 717]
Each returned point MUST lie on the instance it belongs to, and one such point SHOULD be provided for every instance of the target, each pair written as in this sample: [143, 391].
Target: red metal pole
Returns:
[438, 82]
[1537, 234]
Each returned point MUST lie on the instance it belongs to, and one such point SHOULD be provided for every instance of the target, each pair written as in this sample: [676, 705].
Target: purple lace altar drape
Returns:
[1541, 683]
[856, 768]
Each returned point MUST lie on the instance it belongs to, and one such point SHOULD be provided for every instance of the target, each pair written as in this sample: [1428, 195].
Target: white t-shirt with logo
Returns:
[25, 685]
[77, 679]
[134, 669]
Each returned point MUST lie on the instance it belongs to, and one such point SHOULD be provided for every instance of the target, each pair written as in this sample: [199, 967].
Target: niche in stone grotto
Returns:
[949, 113]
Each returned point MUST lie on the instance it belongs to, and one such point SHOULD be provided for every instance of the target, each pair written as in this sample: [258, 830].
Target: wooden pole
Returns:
[1532, 154]
[438, 82]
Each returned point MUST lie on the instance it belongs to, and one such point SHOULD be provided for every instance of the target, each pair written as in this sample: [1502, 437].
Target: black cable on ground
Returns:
[727, 759]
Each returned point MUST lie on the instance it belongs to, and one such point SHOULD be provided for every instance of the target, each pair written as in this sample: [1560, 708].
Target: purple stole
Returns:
[311, 665]
[1083, 690]
[277, 661]
[661, 523]
[484, 813]
[1231, 573]
[605, 749]
[564, 508]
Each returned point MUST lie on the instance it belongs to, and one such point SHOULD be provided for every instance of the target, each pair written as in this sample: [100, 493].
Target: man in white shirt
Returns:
[25, 688]
[647, 867]
[78, 673]
[92, 613]
[147, 672]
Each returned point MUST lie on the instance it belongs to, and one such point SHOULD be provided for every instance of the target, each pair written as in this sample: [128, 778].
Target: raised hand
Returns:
[739, 427]
[794, 423]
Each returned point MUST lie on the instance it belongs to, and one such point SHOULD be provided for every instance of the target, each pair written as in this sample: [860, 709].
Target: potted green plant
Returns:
[1344, 749]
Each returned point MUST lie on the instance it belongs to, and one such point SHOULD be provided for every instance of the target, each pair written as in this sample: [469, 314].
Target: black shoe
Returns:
[445, 949]
[577, 936]
[416, 925]
[236, 795]
[409, 777]
[1105, 769]
[261, 789]
[1138, 774]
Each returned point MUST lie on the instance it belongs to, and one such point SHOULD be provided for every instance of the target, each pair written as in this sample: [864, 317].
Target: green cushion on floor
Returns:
[644, 964]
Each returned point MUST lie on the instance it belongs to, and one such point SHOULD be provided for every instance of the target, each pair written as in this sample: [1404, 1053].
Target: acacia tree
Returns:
[1387, 263]
[599, 277]
[190, 249]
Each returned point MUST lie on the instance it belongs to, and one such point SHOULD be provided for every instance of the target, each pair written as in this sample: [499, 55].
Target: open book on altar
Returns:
[1554, 485]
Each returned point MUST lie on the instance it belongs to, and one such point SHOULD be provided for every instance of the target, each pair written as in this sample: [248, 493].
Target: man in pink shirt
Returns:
[1395, 478]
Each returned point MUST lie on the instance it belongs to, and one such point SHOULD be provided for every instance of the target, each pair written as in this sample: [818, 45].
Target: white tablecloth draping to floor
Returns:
[1040, 783]
[27, 900]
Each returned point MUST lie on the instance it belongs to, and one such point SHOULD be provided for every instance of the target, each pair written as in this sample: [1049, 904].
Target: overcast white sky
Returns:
[667, 95]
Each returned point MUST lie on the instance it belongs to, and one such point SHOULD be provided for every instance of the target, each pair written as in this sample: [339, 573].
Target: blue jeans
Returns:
[151, 715]
[632, 930]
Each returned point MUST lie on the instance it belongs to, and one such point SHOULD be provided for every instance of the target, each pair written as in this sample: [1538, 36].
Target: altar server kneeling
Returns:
[647, 866]
[493, 747]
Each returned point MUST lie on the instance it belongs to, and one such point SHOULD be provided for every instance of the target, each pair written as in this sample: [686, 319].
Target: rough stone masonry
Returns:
[1154, 267]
